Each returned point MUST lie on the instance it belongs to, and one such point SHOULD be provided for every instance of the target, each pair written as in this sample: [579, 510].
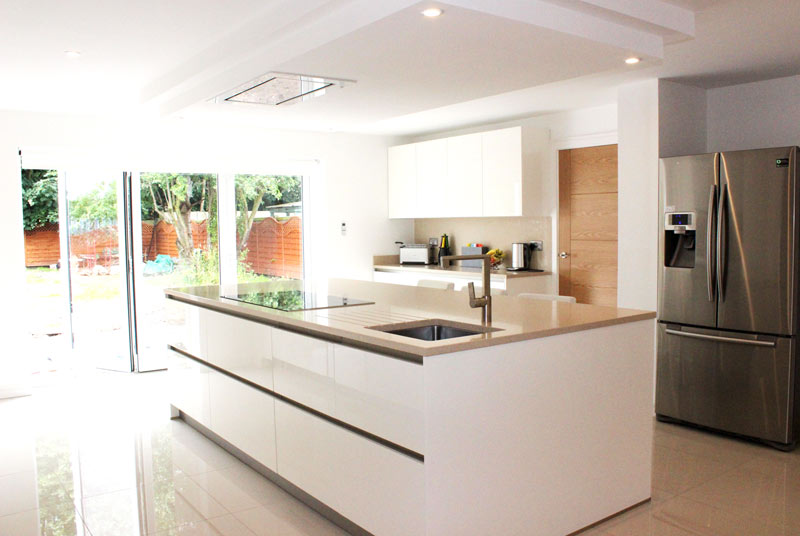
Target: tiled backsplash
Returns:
[492, 232]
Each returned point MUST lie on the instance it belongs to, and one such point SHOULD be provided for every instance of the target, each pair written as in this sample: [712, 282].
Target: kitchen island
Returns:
[537, 424]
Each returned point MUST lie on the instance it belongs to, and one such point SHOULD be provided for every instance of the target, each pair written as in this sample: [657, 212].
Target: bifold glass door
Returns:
[94, 253]
[175, 240]
[130, 236]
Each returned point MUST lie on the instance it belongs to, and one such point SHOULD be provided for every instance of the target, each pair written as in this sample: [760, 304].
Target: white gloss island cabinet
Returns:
[544, 435]
[342, 424]
[485, 174]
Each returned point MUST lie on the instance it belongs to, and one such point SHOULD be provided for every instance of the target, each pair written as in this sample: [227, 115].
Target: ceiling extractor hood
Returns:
[281, 88]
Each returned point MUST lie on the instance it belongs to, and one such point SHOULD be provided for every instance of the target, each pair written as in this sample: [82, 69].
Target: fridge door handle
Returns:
[721, 217]
[717, 338]
[712, 219]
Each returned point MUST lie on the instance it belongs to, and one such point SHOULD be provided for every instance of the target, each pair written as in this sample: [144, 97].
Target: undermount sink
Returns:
[434, 330]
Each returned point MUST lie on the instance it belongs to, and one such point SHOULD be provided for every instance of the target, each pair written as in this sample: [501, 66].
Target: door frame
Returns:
[610, 137]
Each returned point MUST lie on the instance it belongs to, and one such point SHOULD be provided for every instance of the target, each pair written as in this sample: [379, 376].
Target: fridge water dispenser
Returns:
[679, 239]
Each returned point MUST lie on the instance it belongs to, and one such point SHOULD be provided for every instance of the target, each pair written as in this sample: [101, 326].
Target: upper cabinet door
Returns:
[502, 172]
[432, 188]
[403, 181]
[464, 176]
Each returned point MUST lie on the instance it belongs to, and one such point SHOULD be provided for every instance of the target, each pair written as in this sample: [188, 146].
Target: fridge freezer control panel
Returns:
[680, 222]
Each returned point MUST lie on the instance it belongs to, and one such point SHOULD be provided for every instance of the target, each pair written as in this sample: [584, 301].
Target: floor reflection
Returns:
[97, 455]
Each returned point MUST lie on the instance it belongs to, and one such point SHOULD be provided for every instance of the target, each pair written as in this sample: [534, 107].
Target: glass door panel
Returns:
[269, 227]
[97, 274]
[176, 244]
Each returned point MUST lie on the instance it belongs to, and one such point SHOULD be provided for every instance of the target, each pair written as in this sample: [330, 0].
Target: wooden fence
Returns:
[274, 248]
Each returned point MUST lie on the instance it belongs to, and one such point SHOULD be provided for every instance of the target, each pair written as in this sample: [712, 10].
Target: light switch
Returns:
[344, 228]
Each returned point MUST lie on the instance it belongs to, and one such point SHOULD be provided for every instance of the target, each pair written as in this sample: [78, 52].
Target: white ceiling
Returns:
[481, 61]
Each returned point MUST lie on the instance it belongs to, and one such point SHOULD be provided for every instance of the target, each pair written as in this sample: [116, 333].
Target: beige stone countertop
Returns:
[455, 271]
[514, 319]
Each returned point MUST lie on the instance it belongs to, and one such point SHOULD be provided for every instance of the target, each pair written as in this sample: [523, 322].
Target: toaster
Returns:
[416, 254]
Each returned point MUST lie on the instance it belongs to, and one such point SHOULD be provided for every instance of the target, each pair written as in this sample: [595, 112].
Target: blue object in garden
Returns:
[162, 265]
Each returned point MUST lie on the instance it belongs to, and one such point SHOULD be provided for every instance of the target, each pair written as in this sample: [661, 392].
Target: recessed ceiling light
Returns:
[633, 61]
[72, 54]
[432, 12]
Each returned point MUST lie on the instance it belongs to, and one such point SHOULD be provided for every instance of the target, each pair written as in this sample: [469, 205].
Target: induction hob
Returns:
[294, 300]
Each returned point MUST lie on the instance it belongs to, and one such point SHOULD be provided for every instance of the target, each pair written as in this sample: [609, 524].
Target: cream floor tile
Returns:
[220, 526]
[681, 516]
[753, 494]
[728, 451]
[195, 455]
[675, 471]
[658, 495]
[198, 498]
[240, 488]
[43, 522]
[287, 519]
[124, 513]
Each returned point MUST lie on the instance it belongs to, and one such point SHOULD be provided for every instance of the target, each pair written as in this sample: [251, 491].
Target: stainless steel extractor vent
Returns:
[281, 88]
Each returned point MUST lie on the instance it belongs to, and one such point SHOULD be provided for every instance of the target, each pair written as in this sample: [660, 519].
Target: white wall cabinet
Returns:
[464, 180]
[502, 172]
[403, 181]
[474, 175]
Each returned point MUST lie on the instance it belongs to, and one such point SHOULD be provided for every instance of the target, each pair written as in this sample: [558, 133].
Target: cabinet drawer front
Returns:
[373, 486]
[189, 388]
[382, 395]
[303, 370]
[243, 416]
[240, 346]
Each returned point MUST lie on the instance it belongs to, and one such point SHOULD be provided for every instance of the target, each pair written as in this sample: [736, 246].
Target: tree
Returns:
[256, 192]
[39, 198]
[99, 205]
[174, 196]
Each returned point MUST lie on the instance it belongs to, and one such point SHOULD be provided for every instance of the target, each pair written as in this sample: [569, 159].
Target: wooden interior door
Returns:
[587, 224]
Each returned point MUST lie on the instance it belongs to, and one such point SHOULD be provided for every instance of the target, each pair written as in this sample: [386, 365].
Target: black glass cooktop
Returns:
[294, 300]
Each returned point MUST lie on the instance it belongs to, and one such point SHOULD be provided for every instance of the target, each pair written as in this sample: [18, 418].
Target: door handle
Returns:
[712, 218]
[721, 217]
[563, 254]
[717, 338]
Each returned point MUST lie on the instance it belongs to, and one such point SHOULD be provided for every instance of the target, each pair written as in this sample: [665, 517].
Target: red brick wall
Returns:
[42, 246]
[276, 248]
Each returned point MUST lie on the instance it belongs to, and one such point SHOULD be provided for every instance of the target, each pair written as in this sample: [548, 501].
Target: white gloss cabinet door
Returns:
[432, 187]
[189, 388]
[303, 370]
[402, 179]
[502, 172]
[377, 488]
[240, 346]
[464, 176]
[382, 395]
[244, 416]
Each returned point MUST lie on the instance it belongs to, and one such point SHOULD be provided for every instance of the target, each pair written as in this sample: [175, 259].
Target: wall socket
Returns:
[344, 228]
[538, 245]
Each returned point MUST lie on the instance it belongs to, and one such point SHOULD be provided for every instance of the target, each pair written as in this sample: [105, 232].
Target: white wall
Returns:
[638, 195]
[348, 183]
[756, 115]
[682, 127]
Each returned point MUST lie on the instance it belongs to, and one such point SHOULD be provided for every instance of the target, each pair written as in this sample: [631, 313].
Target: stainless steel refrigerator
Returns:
[728, 293]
